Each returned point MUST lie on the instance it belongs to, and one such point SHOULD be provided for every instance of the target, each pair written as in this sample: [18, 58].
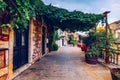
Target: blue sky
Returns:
[90, 6]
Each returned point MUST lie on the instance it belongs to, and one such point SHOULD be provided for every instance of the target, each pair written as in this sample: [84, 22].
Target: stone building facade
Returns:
[115, 27]
[18, 51]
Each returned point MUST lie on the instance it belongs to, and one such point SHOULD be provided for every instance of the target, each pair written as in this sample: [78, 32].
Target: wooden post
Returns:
[106, 28]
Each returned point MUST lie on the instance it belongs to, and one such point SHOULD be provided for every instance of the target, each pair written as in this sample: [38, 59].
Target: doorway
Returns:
[20, 53]
[43, 40]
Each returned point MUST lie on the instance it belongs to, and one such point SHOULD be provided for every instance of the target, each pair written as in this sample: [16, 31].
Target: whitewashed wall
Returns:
[117, 35]
[59, 42]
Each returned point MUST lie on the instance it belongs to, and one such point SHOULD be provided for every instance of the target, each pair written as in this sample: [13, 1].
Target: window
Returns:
[23, 39]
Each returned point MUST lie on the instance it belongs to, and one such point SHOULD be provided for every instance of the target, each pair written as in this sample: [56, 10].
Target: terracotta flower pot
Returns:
[91, 60]
[115, 72]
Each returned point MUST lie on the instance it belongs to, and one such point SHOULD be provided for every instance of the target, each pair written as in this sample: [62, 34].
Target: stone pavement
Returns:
[66, 64]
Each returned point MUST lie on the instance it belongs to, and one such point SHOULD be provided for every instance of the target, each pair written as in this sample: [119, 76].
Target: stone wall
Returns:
[34, 50]
[5, 52]
[37, 39]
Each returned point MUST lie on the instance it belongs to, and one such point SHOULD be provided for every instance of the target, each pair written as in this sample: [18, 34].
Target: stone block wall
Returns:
[34, 50]
[37, 39]
[35, 43]
[5, 50]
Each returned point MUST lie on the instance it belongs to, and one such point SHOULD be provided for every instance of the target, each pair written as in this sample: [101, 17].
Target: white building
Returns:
[63, 38]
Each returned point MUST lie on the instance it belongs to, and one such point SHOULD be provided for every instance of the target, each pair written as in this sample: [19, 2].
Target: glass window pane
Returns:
[14, 38]
[23, 39]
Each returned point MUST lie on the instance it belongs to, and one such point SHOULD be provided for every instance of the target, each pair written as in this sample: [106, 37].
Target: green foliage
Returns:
[101, 41]
[54, 47]
[22, 13]
[98, 39]
[90, 40]
[22, 10]
[72, 41]
[93, 52]
[2, 5]
[115, 73]
[118, 75]
[78, 20]
[97, 42]
[56, 36]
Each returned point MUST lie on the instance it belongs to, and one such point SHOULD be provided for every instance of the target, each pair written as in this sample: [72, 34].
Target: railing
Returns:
[114, 58]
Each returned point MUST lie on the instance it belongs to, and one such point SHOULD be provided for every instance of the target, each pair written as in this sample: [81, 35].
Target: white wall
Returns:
[59, 42]
[117, 31]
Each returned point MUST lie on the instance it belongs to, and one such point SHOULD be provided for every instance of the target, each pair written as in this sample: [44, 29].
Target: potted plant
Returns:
[89, 40]
[92, 52]
[115, 72]
[92, 55]
[97, 42]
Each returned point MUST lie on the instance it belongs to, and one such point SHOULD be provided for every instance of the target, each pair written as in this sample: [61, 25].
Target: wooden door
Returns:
[20, 55]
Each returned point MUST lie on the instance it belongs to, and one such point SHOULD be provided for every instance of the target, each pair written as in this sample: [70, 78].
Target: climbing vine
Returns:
[2, 5]
[20, 12]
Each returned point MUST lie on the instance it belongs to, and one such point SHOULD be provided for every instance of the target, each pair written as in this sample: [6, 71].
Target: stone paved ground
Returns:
[65, 64]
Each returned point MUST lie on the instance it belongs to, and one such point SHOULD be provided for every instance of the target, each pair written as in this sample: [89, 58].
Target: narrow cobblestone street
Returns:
[66, 64]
